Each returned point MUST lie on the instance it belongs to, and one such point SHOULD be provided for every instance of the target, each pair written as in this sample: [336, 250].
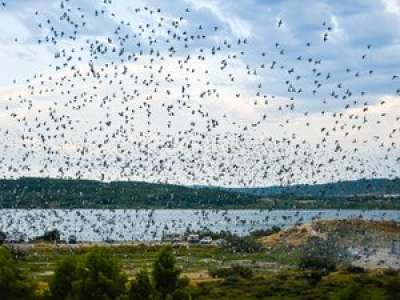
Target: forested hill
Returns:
[76, 193]
[343, 189]
[60, 193]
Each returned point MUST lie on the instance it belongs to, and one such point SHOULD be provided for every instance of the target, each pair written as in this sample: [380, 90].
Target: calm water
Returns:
[146, 225]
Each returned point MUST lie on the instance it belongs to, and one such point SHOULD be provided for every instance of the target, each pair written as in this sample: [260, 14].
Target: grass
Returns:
[294, 284]
[40, 260]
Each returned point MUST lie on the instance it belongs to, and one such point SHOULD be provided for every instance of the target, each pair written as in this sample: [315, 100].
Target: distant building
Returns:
[193, 238]
[172, 237]
[396, 247]
[207, 240]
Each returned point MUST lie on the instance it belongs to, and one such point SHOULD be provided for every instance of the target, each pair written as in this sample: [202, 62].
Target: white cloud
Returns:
[392, 6]
[238, 26]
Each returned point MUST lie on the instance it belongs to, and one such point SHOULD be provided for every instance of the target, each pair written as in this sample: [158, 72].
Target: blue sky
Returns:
[354, 24]
[360, 56]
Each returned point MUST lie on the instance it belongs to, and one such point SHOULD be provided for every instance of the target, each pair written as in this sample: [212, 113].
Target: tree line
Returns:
[96, 275]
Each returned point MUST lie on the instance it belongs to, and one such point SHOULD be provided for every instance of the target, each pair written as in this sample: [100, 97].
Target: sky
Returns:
[279, 81]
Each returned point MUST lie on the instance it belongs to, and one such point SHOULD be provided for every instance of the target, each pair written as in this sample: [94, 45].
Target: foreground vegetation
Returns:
[60, 193]
[98, 274]
[341, 285]
[309, 261]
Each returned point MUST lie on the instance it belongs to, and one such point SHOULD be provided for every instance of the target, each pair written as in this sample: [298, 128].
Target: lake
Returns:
[149, 225]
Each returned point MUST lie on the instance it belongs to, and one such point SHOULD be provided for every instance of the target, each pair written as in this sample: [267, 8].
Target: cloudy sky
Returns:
[317, 73]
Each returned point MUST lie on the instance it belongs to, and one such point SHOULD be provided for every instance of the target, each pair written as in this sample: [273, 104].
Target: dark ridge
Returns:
[79, 193]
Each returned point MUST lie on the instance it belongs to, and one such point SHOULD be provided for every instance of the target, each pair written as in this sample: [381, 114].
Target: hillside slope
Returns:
[344, 189]
[77, 193]
[60, 193]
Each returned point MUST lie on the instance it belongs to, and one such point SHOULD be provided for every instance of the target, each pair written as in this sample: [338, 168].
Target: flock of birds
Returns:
[163, 101]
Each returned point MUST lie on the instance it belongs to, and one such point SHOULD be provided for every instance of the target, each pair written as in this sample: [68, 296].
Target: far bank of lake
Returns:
[149, 225]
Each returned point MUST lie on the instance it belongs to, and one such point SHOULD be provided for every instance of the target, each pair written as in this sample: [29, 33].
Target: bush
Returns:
[239, 244]
[181, 294]
[141, 288]
[243, 271]
[355, 269]
[319, 254]
[96, 275]
[50, 236]
[234, 271]
[13, 285]
[220, 272]
[265, 232]
[3, 237]
[314, 276]
[64, 277]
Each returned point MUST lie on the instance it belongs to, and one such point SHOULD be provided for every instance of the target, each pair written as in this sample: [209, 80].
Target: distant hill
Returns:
[77, 193]
[62, 193]
[342, 189]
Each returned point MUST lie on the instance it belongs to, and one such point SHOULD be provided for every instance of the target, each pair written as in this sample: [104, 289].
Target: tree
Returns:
[95, 276]
[182, 291]
[100, 277]
[165, 273]
[64, 277]
[13, 284]
[51, 236]
[181, 294]
[141, 288]
[3, 237]
[321, 255]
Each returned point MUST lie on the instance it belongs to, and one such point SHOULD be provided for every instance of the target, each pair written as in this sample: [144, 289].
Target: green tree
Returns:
[96, 276]
[13, 284]
[3, 237]
[182, 291]
[52, 236]
[165, 273]
[181, 294]
[63, 279]
[141, 288]
[321, 255]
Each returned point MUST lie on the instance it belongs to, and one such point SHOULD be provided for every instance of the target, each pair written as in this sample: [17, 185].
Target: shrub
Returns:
[355, 269]
[234, 271]
[220, 272]
[13, 284]
[243, 271]
[319, 254]
[314, 276]
[181, 294]
[265, 232]
[64, 277]
[141, 288]
[3, 237]
[239, 244]
[50, 236]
